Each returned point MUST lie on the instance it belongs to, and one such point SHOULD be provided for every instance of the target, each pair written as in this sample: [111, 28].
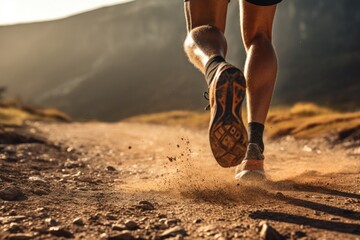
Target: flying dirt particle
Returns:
[171, 159]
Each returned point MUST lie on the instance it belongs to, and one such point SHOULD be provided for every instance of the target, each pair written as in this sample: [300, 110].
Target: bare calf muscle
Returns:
[206, 48]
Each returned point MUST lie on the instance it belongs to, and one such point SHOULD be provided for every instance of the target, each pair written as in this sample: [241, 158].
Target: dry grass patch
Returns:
[15, 116]
[303, 120]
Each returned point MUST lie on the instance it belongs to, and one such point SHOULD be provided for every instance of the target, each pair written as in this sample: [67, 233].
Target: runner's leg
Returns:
[206, 21]
[261, 64]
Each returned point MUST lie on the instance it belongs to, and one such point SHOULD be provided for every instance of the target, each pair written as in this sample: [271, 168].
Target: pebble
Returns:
[14, 227]
[118, 227]
[298, 234]
[11, 219]
[51, 221]
[40, 192]
[173, 232]
[12, 193]
[124, 235]
[60, 232]
[145, 205]
[131, 225]
[171, 222]
[208, 228]
[279, 195]
[110, 216]
[12, 213]
[110, 168]
[20, 236]
[38, 180]
[269, 233]
[78, 221]
[198, 220]
[161, 215]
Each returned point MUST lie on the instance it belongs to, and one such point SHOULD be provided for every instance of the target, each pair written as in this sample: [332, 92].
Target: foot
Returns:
[227, 133]
[252, 167]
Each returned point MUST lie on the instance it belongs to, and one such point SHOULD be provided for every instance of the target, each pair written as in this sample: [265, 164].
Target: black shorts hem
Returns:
[259, 2]
[264, 2]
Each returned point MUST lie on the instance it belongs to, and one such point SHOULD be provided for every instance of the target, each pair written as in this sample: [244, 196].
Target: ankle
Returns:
[211, 67]
[256, 131]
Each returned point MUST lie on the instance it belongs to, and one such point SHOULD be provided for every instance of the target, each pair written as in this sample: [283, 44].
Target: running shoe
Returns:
[227, 133]
[252, 167]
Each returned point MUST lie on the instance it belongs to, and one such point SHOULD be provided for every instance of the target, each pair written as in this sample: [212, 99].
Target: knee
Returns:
[204, 35]
[260, 39]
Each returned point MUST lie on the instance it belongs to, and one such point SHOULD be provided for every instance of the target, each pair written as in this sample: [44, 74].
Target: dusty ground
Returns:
[141, 181]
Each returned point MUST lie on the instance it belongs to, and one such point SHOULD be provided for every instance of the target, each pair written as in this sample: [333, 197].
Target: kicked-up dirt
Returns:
[143, 181]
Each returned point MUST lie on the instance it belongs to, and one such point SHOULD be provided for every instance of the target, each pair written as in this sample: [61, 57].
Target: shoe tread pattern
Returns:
[227, 133]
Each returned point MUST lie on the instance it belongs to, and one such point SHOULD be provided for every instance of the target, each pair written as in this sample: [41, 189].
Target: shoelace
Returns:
[206, 96]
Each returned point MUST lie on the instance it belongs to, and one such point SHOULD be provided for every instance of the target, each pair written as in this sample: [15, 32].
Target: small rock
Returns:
[12, 213]
[335, 219]
[110, 169]
[145, 205]
[38, 180]
[118, 227]
[131, 225]
[198, 220]
[110, 216]
[124, 235]
[171, 222]
[94, 217]
[20, 236]
[178, 237]
[208, 228]
[269, 233]
[40, 191]
[11, 219]
[78, 221]
[280, 195]
[51, 221]
[161, 226]
[103, 236]
[173, 232]
[161, 215]
[298, 234]
[317, 213]
[15, 227]
[12, 193]
[306, 148]
[144, 219]
[60, 232]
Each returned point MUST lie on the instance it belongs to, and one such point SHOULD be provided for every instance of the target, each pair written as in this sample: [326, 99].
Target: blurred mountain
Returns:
[128, 59]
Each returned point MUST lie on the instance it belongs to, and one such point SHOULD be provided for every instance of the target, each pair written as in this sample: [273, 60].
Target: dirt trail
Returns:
[313, 192]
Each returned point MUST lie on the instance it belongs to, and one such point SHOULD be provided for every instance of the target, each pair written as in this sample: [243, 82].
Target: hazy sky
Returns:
[20, 11]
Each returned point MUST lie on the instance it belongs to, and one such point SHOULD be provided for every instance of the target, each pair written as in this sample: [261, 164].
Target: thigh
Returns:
[256, 20]
[205, 12]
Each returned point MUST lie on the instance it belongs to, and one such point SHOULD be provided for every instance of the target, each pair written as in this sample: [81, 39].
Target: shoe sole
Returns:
[251, 176]
[227, 133]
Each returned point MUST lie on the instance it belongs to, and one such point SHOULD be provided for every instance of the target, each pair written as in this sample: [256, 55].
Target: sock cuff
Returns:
[256, 131]
[256, 125]
[211, 67]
